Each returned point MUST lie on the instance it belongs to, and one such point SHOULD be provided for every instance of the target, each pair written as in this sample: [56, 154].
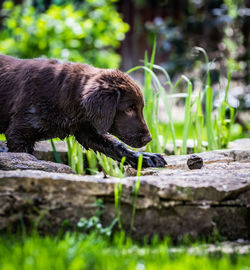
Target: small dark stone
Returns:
[195, 162]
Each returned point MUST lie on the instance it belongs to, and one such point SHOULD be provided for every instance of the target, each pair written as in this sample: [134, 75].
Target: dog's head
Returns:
[113, 103]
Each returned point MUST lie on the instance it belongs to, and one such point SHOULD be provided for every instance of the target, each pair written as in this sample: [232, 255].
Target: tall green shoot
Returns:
[209, 103]
[118, 194]
[187, 120]
[151, 100]
[75, 155]
[224, 124]
[136, 190]
[55, 153]
[198, 124]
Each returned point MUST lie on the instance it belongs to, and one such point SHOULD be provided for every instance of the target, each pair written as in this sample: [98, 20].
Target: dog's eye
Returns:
[133, 107]
[130, 109]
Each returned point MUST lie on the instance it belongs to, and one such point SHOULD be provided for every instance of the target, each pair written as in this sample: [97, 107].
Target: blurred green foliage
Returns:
[221, 27]
[91, 252]
[83, 34]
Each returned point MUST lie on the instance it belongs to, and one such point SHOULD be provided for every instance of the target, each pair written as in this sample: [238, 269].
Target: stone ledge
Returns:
[24, 161]
[173, 201]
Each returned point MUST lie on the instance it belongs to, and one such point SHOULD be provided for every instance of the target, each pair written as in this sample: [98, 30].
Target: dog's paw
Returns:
[153, 160]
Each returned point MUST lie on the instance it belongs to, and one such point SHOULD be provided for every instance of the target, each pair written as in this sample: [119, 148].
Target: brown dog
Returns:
[42, 99]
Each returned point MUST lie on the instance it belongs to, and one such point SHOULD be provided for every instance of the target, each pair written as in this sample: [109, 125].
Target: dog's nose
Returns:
[146, 139]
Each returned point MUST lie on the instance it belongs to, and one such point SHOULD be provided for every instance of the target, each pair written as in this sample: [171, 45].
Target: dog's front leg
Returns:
[115, 149]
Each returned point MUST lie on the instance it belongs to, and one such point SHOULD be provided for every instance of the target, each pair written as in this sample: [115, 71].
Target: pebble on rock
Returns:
[195, 162]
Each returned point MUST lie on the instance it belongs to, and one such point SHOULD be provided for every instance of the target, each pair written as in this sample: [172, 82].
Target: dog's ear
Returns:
[100, 108]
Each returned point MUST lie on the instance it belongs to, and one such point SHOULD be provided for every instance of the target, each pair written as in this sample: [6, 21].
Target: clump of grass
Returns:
[111, 167]
[94, 162]
[213, 125]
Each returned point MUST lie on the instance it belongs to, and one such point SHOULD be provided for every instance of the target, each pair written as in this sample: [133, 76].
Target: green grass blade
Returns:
[70, 154]
[55, 153]
[199, 123]
[209, 124]
[208, 80]
[118, 194]
[80, 162]
[92, 161]
[136, 190]
[187, 120]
